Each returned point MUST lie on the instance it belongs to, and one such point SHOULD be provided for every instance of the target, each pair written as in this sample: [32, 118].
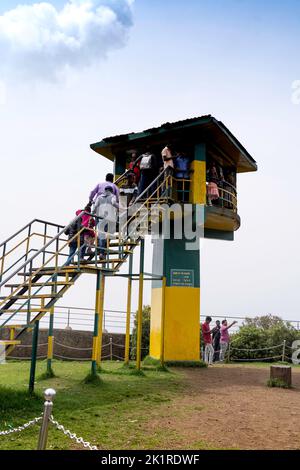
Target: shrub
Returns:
[263, 332]
[277, 383]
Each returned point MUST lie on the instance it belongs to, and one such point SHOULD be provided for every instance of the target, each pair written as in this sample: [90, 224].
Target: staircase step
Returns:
[50, 272]
[9, 342]
[38, 296]
[40, 284]
[116, 244]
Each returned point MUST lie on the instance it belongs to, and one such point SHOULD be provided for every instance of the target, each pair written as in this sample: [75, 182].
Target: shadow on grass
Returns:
[125, 369]
[49, 374]
[92, 379]
[16, 400]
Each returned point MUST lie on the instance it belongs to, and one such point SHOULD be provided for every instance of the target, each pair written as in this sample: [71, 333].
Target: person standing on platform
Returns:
[134, 166]
[209, 350]
[182, 166]
[168, 160]
[129, 191]
[149, 171]
[212, 187]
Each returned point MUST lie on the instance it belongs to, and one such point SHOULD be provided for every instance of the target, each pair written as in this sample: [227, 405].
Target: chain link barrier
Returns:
[72, 436]
[22, 427]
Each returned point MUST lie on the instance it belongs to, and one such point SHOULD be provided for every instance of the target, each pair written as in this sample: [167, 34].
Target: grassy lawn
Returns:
[112, 415]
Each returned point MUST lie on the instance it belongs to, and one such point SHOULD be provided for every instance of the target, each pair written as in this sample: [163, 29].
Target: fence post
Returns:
[48, 405]
[283, 351]
[111, 348]
[35, 339]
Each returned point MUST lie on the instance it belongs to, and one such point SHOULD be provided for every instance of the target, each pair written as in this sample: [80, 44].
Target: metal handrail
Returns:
[147, 189]
[29, 280]
[232, 202]
[29, 260]
[120, 178]
[144, 203]
[23, 241]
[52, 224]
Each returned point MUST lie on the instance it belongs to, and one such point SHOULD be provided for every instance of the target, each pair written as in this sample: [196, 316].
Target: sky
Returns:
[135, 65]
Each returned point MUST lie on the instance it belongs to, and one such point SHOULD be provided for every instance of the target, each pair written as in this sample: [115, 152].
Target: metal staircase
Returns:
[37, 254]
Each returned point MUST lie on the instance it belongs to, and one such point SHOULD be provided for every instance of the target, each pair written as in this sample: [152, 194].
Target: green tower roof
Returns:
[195, 130]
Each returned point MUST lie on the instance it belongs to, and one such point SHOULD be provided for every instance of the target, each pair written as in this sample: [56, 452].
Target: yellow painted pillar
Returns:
[100, 320]
[140, 308]
[162, 327]
[128, 313]
[198, 176]
[175, 304]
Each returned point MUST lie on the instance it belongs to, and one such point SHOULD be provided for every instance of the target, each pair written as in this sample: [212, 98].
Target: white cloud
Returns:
[41, 41]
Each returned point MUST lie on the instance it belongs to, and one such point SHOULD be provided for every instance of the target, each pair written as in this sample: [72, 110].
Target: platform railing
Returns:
[227, 198]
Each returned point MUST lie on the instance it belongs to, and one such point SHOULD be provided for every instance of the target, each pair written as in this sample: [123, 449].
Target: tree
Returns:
[265, 321]
[145, 333]
[265, 334]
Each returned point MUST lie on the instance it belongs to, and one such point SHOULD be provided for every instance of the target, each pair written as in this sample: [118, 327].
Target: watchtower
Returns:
[215, 158]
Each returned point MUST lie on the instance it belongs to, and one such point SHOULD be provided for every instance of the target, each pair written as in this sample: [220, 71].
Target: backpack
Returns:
[146, 162]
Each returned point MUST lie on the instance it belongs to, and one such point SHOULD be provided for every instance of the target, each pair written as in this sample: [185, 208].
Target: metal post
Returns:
[50, 341]
[45, 241]
[29, 294]
[35, 338]
[162, 327]
[50, 333]
[48, 405]
[128, 313]
[111, 348]
[100, 320]
[68, 325]
[140, 307]
[94, 353]
[283, 351]
[2, 262]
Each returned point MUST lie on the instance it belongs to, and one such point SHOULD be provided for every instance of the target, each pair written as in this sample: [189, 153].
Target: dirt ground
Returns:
[230, 407]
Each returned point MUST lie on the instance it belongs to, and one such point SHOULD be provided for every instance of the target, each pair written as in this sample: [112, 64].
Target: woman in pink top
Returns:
[224, 340]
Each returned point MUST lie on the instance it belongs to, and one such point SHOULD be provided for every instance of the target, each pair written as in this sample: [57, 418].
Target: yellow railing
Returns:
[227, 199]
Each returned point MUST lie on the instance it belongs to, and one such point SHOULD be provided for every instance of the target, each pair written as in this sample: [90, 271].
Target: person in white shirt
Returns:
[106, 209]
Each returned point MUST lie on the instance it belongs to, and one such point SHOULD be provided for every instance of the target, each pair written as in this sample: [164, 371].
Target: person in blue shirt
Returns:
[182, 166]
[182, 172]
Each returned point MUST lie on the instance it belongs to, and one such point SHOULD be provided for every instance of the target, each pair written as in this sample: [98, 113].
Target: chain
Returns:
[72, 436]
[21, 428]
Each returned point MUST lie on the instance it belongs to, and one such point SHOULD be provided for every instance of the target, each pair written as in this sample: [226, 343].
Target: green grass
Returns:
[111, 411]
[277, 383]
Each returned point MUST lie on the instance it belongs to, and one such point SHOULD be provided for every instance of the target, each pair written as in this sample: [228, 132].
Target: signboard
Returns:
[182, 277]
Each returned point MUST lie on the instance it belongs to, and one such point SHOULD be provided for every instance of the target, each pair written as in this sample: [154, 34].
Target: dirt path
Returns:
[231, 407]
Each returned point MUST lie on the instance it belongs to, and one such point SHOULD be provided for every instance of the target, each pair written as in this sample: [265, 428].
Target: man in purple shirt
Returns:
[224, 339]
[100, 188]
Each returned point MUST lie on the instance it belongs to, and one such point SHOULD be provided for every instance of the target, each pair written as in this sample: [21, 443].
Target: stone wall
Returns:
[69, 344]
